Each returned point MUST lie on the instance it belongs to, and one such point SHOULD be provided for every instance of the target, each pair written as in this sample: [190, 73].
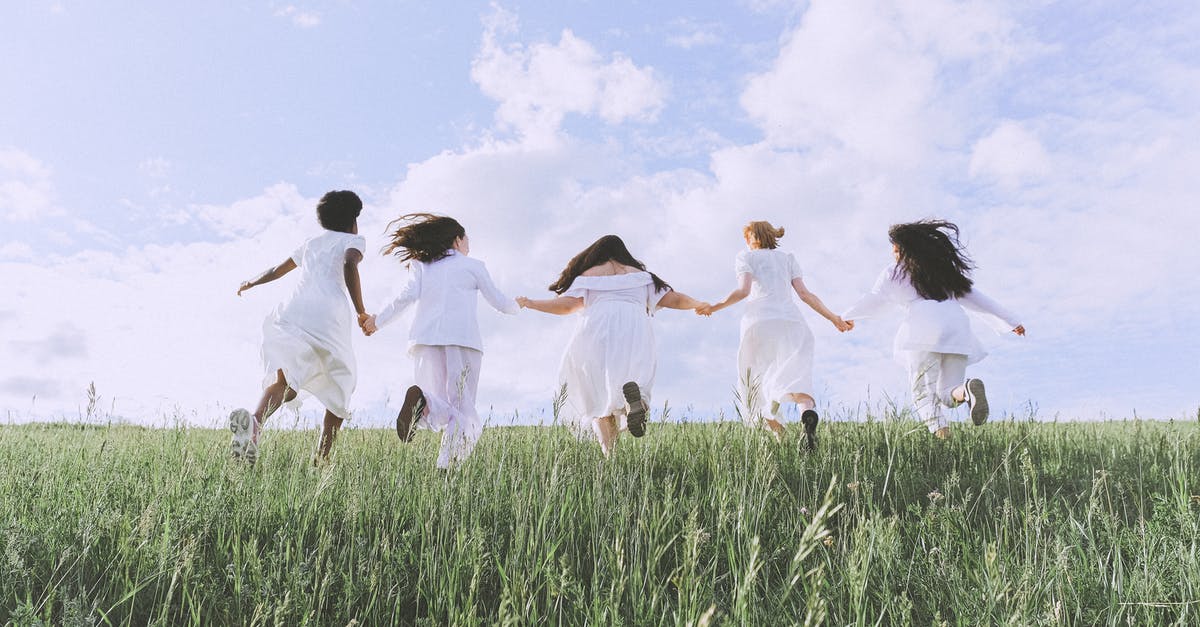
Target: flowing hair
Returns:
[605, 249]
[932, 258]
[765, 234]
[423, 236]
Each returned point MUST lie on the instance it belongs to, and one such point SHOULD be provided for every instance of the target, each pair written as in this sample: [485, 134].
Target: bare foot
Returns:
[942, 434]
[776, 428]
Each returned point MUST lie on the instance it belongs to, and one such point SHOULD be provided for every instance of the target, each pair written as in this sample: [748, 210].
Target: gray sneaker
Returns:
[977, 401]
[635, 421]
[241, 445]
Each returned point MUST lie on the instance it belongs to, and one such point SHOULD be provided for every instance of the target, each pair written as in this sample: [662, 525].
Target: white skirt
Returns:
[613, 344]
[323, 366]
[775, 359]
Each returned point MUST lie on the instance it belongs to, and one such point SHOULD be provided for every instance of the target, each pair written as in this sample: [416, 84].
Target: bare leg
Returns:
[606, 432]
[329, 433]
[273, 398]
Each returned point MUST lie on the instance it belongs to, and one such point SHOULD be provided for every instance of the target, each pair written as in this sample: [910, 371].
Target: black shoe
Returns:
[977, 401]
[810, 419]
[410, 413]
[636, 420]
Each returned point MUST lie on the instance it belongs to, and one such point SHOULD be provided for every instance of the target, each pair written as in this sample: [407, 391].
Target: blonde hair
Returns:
[766, 235]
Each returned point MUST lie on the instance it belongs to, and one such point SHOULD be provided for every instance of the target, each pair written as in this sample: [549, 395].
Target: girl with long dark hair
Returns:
[775, 355]
[306, 340]
[608, 367]
[930, 282]
[444, 339]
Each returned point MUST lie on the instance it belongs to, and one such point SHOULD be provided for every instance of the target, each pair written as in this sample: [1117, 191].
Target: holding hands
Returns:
[366, 322]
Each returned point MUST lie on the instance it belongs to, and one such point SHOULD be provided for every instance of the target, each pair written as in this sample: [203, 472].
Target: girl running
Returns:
[775, 357]
[306, 340]
[930, 283]
[444, 339]
[608, 368]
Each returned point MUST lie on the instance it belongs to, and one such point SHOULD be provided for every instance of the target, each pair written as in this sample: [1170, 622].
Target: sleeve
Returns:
[575, 292]
[877, 302]
[654, 297]
[794, 267]
[492, 294]
[408, 296]
[741, 265]
[997, 316]
[298, 256]
[358, 243]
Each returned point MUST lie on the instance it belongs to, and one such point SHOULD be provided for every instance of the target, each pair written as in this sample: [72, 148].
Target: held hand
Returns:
[706, 309]
[1020, 330]
[842, 325]
[366, 322]
[244, 286]
[522, 302]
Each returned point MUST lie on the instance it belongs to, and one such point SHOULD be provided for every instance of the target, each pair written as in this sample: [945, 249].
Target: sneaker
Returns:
[810, 419]
[636, 420]
[242, 446]
[977, 401]
[410, 412]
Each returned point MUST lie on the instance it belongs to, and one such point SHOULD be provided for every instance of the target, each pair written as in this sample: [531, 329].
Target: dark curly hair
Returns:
[603, 250]
[338, 210]
[932, 258]
[423, 236]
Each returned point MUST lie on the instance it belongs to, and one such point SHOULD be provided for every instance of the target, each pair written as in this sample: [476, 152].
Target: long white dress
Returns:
[775, 356]
[612, 345]
[308, 336]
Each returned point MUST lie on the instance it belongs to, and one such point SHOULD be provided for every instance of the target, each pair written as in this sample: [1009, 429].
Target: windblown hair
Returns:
[767, 236]
[932, 258]
[423, 236]
[337, 211]
[603, 250]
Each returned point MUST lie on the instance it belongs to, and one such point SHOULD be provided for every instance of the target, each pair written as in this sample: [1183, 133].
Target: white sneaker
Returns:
[977, 401]
[241, 445]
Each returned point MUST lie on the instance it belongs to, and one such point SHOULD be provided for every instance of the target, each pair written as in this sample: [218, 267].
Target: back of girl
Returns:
[930, 285]
[444, 340]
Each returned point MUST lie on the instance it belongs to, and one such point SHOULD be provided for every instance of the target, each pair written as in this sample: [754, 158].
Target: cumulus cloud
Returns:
[1009, 155]
[26, 189]
[537, 85]
[688, 34]
[300, 17]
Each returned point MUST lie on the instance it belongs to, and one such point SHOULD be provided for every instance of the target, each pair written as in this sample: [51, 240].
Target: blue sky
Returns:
[153, 156]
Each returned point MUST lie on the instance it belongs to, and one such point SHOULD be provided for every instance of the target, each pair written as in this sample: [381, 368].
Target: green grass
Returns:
[1013, 523]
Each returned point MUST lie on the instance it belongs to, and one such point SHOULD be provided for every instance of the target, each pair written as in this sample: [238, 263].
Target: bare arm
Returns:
[353, 283]
[813, 301]
[268, 276]
[560, 306]
[737, 295]
[677, 300]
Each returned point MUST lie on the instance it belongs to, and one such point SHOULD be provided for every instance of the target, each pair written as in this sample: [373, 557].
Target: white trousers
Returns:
[449, 378]
[934, 376]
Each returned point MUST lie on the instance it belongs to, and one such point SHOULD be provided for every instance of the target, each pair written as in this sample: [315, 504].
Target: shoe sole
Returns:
[241, 444]
[636, 420]
[410, 413]
[979, 404]
[810, 419]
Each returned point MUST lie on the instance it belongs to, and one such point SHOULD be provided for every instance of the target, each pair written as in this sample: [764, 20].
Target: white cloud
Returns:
[26, 190]
[155, 167]
[281, 202]
[687, 34]
[300, 17]
[537, 85]
[1009, 155]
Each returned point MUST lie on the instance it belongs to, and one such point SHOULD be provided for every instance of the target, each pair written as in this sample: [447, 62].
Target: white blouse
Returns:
[772, 296]
[444, 292]
[634, 288]
[929, 325]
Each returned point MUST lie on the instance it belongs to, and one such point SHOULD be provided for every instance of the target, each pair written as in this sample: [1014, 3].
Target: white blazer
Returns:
[444, 292]
[929, 325]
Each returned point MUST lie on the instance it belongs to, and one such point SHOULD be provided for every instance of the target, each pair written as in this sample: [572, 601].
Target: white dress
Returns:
[308, 336]
[775, 356]
[930, 326]
[612, 345]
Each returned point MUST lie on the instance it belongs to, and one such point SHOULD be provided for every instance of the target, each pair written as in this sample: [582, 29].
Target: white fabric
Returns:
[613, 344]
[775, 358]
[444, 292]
[772, 296]
[928, 325]
[308, 336]
[934, 376]
[449, 378]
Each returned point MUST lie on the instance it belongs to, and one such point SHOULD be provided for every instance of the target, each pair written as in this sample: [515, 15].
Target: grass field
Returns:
[1013, 523]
